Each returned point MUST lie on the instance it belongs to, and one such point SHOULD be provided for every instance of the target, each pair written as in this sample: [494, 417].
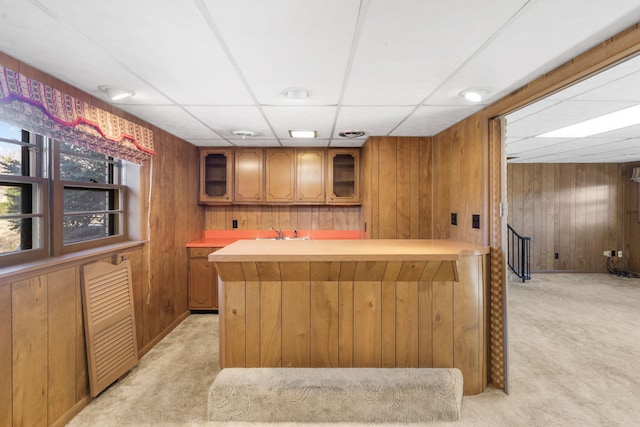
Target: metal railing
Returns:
[518, 256]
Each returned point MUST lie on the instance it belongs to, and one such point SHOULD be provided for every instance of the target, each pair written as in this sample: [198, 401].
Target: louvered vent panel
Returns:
[109, 323]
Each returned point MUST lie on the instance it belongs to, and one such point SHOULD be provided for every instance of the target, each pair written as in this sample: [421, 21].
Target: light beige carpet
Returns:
[336, 395]
[574, 342]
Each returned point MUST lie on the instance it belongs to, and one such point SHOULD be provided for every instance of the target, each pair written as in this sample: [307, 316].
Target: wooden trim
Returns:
[72, 412]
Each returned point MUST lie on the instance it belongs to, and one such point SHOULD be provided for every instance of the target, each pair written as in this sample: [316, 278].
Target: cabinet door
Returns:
[249, 175]
[343, 185]
[215, 175]
[203, 284]
[310, 168]
[280, 175]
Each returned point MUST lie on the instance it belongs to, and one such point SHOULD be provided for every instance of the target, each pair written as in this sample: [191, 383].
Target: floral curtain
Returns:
[39, 108]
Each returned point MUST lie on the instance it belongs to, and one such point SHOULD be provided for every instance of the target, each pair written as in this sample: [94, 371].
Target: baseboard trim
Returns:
[72, 412]
[144, 350]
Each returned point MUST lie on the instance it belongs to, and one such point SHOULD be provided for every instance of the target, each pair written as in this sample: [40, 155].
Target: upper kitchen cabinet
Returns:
[215, 175]
[310, 175]
[280, 175]
[249, 175]
[343, 183]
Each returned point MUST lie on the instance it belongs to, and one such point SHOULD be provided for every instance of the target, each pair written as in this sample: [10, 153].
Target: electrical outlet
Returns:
[556, 255]
[475, 221]
[619, 254]
[234, 223]
[606, 253]
[454, 218]
[613, 253]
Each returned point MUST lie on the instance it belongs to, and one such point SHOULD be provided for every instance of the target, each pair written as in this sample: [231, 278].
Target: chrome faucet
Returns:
[280, 237]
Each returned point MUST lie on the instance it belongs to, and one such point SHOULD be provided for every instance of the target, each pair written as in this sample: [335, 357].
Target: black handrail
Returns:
[518, 257]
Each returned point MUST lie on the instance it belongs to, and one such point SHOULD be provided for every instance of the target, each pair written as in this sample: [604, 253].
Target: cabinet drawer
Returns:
[200, 252]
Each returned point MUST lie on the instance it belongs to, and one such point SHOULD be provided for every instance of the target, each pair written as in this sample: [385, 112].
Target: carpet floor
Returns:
[574, 343]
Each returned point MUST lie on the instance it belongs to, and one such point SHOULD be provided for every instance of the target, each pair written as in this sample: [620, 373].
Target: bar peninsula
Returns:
[355, 303]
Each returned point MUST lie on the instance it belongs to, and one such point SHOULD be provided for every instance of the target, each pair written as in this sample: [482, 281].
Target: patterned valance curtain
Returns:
[39, 108]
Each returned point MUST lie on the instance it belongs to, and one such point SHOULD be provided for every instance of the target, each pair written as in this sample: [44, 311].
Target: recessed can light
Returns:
[243, 133]
[116, 93]
[351, 134]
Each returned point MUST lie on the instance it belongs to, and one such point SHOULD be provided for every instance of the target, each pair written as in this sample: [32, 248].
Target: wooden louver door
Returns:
[109, 323]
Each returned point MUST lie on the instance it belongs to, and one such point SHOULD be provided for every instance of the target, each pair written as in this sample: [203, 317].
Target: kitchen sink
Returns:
[296, 238]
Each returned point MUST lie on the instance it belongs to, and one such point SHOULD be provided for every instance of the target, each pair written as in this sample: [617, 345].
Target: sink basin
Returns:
[296, 238]
[265, 238]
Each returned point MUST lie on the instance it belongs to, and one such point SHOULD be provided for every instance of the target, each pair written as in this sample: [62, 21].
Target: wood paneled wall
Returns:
[631, 233]
[256, 217]
[460, 184]
[396, 183]
[42, 378]
[574, 210]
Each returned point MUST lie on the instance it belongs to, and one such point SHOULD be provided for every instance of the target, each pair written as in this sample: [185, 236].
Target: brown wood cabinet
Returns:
[280, 167]
[216, 172]
[249, 175]
[343, 183]
[310, 175]
[203, 280]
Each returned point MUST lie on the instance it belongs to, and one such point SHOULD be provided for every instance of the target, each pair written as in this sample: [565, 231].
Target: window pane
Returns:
[11, 158]
[10, 131]
[78, 228]
[19, 234]
[83, 200]
[83, 170]
[15, 198]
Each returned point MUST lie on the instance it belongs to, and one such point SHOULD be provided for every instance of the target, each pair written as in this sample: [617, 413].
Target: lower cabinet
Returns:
[203, 280]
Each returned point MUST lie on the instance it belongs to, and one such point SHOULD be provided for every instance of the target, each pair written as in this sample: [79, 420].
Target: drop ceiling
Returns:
[201, 69]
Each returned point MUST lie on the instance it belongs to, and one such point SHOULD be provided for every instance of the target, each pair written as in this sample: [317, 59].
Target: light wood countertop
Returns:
[346, 250]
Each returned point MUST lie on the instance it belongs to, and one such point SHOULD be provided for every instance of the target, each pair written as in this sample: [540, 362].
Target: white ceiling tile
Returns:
[408, 48]
[375, 121]
[283, 119]
[347, 143]
[187, 64]
[289, 43]
[428, 120]
[544, 35]
[174, 120]
[224, 120]
[210, 142]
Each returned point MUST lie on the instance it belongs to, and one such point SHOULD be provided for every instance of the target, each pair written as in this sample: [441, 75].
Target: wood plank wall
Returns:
[574, 210]
[460, 170]
[43, 377]
[256, 217]
[396, 183]
[631, 233]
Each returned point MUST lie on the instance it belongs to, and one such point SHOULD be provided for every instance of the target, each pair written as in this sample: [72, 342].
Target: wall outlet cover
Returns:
[234, 223]
[475, 221]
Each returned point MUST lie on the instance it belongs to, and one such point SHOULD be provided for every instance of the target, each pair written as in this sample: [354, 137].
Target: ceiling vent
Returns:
[352, 134]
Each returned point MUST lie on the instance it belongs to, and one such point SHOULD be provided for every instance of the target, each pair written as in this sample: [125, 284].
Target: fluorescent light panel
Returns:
[612, 121]
[302, 133]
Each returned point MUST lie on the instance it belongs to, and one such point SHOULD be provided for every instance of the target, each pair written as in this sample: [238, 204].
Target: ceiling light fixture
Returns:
[296, 93]
[243, 133]
[302, 133]
[116, 93]
[474, 95]
[612, 121]
[352, 134]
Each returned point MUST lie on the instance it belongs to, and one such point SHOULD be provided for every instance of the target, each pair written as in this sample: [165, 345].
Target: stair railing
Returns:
[518, 257]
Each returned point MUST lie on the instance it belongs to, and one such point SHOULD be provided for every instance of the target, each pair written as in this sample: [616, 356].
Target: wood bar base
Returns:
[412, 310]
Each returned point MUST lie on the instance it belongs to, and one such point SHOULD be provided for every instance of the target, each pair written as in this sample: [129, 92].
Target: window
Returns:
[55, 197]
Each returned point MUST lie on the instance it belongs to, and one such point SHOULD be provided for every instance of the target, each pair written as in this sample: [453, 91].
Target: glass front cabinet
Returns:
[343, 183]
[216, 175]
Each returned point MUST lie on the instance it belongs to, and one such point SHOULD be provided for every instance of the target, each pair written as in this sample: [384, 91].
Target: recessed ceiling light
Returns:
[474, 95]
[612, 121]
[243, 133]
[302, 133]
[352, 134]
[116, 93]
[296, 93]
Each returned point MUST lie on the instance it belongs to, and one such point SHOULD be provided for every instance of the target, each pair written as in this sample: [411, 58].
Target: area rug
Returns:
[371, 395]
